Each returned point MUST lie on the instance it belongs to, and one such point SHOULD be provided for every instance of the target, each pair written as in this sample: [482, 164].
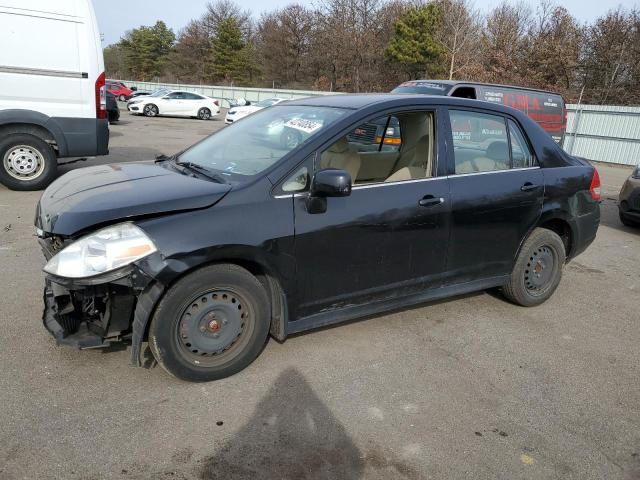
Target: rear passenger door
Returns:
[497, 190]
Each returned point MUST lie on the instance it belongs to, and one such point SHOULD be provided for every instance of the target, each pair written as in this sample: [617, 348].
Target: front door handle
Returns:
[430, 201]
[527, 187]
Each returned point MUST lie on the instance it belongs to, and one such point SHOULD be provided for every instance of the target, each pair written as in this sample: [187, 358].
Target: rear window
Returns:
[422, 87]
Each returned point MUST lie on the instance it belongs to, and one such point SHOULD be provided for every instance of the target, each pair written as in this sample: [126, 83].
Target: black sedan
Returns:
[242, 235]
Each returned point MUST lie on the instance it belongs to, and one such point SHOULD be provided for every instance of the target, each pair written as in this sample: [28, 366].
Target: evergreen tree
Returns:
[413, 44]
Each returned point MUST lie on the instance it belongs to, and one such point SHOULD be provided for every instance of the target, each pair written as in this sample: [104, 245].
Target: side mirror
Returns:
[331, 182]
[134, 88]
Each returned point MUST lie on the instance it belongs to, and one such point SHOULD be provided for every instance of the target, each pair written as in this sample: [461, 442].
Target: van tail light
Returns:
[594, 188]
[101, 96]
[389, 140]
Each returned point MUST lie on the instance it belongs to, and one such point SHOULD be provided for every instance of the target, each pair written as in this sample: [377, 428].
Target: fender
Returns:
[36, 118]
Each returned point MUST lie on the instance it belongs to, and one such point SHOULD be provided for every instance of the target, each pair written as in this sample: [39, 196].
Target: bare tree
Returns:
[459, 34]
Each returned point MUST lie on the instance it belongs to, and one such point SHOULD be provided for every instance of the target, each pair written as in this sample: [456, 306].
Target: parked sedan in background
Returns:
[629, 200]
[235, 113]
[120, 90]
[175, 102]
[207, 252]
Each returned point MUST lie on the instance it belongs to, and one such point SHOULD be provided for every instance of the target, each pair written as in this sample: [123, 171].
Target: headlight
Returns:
[636, 172]
[102, 251]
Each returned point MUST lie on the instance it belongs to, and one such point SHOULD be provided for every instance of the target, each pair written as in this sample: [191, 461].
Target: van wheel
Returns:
[210, 324]
[150, 110]
[28, 162]
[204, 114]
[122, 98]
[538, 269]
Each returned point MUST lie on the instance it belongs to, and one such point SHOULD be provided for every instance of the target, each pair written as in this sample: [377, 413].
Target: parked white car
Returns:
[236, 113]
[175, 102]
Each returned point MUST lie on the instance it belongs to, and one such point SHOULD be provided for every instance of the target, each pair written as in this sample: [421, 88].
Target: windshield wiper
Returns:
[204, 171]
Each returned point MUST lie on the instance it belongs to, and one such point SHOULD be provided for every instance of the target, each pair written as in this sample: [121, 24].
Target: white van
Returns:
[52, 89]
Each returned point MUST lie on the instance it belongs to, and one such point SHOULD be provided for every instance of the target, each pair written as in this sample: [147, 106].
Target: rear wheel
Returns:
[28, 162]
[210, 324]
[204, 114]
[538, 269]
[150, 110]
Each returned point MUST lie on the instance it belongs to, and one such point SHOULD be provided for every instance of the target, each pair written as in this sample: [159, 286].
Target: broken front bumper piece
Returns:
[92, 314]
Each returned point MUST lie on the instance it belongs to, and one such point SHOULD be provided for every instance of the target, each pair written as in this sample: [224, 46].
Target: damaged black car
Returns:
[283, 223]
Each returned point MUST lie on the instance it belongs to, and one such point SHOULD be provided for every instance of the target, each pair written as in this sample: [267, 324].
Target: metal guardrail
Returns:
[225, 93]
[604, 133]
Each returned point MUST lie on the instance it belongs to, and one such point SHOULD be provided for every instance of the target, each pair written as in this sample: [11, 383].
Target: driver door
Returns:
[387, 239]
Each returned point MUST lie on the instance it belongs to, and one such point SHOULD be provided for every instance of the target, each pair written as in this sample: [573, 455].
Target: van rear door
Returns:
[546, 109]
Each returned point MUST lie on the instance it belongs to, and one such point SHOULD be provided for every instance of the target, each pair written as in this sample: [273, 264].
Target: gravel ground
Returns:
[471, 387]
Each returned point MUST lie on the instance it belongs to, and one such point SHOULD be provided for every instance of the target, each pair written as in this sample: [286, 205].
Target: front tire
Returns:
[150, 110]
[28, 162]
[211, 324]
[538, 269]
[204, 114]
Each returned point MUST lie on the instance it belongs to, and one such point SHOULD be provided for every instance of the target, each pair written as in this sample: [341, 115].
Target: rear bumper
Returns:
[84, 136]
[584, 231]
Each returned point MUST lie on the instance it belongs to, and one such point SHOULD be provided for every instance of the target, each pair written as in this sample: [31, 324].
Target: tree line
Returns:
[373, 45]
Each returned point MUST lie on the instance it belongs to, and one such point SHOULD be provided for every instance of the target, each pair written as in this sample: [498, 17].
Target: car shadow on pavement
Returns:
[292, 435]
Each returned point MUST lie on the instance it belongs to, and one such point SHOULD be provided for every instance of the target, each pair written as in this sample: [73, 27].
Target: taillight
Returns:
[101, 97]
[594, 188]
[566, 119]
[389, 140]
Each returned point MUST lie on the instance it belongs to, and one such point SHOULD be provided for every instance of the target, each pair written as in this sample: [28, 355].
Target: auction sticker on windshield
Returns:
[306, 126]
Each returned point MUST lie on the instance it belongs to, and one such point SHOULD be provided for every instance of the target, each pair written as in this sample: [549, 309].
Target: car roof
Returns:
[500, 85]
[391, 100]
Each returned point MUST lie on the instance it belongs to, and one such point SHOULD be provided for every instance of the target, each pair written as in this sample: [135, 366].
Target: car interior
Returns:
[411, 159]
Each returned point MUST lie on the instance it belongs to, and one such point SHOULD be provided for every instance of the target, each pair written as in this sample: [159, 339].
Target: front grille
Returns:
[364, 134]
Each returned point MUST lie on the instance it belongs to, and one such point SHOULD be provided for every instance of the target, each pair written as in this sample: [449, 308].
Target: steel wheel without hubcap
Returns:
[213, 326]
[204, 114]
[150, 110]
[24, 162]
[540, 270]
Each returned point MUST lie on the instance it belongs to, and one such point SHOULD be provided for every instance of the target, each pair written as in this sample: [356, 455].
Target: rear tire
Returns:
[538, 269]
[150, 110]
[204, 114]
[210, 324]
[28, 162]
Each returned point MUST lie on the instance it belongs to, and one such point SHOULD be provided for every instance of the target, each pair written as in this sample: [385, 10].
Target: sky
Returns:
[116, 18]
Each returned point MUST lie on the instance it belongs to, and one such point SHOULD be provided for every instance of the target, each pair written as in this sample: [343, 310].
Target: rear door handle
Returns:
[527, 187]
[430, 201]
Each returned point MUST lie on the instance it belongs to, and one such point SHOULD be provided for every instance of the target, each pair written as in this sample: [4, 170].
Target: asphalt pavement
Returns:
[467, 388]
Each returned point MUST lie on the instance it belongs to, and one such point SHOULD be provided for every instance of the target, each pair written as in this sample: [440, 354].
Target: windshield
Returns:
[422, 87]
[267, 103]
[260, 140]
[159, 93]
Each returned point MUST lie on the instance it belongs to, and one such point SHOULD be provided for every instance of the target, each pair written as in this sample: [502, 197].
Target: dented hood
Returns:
[106, 194]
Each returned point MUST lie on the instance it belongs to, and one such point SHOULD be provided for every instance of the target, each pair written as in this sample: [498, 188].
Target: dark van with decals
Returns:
[547, 109]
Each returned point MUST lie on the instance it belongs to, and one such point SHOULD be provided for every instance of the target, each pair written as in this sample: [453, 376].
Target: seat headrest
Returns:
[340, 146]
[498, 151]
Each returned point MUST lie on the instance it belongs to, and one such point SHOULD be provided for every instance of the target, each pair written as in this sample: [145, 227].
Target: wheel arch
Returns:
[557, 221]
[33, 123]
[249, 260]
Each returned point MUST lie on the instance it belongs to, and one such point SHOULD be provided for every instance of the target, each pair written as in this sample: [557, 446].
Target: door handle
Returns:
[430, 201]
[527, 187]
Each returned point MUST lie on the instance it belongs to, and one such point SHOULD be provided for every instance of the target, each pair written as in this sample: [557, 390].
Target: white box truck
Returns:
[52, 89]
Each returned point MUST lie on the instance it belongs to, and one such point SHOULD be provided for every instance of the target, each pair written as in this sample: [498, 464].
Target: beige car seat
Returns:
[339, 155]
[496, 158]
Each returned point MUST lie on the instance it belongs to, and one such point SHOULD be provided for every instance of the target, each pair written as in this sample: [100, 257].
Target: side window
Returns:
[480, 142]
[176, 96]
[297, 182]
[521, 155]
[391, 148]
[192, 96]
